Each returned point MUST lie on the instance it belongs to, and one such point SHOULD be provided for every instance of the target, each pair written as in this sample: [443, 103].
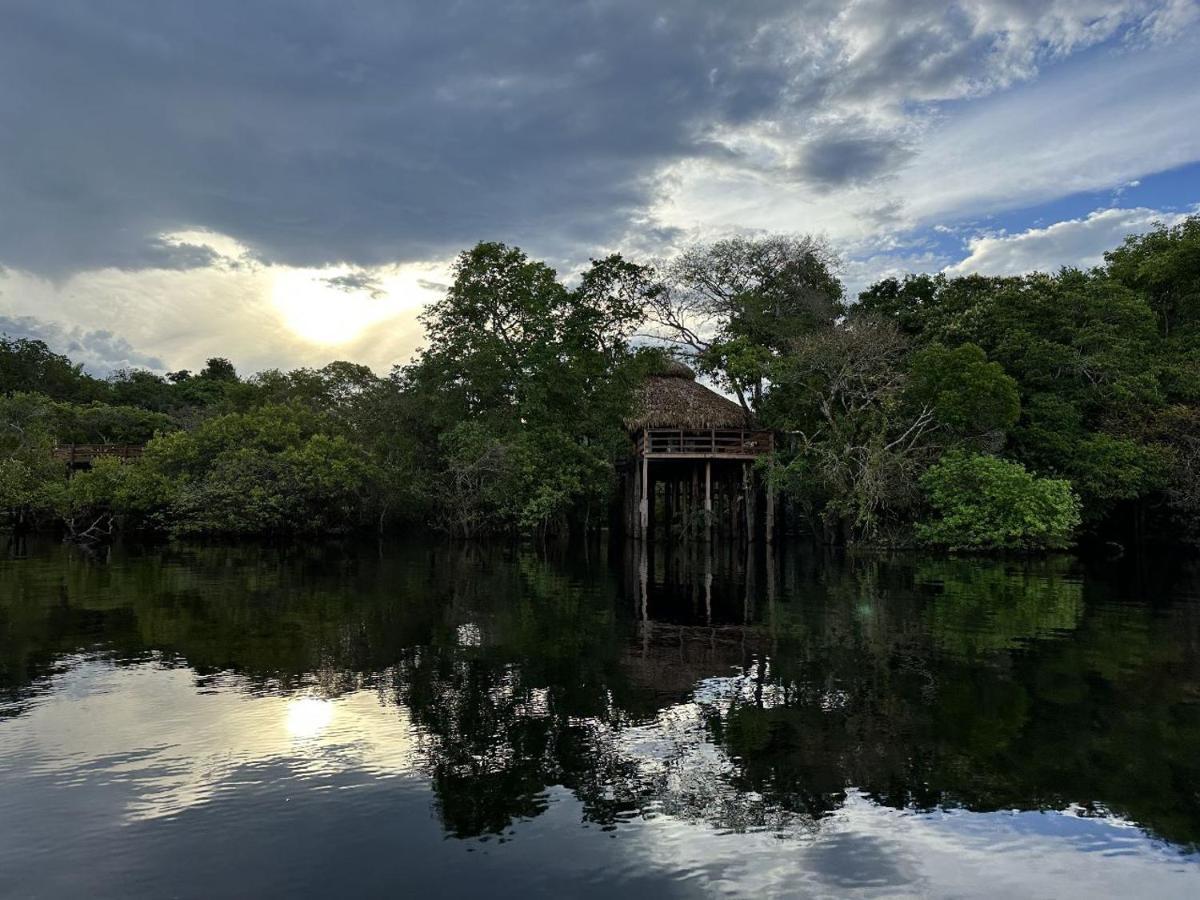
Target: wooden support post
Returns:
[669, 507]
[644, 583]
[708, 500]
[644, 502]
[770, 512]
[751, 586]
[651, 504]
[695, 500]
[708, 582]
[628, 502]
[751, 489]
[686, 508]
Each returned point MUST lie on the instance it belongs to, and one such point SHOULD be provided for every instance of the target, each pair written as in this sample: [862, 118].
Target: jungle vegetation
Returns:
[1019, 412]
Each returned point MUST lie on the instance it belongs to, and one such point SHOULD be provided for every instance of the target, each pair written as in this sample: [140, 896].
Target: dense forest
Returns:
[1012, 413]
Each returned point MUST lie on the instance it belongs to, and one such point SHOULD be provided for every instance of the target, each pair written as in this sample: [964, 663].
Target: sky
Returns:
[287, 182]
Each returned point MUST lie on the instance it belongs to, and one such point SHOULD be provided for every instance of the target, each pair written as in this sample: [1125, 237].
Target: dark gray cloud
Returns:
[838, 160]
[358, 131]
[356, 281]
[101, 352]
[375, 131]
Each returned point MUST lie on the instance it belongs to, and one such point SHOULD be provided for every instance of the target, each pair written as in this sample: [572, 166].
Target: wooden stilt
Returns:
[708, 500]
[708, 582]
[731, 492]
[644, 503]
[652, 503]
[644, 583]
[751, 490]
[770, 512]
[687, 509]
[668, 507]
[692, 525]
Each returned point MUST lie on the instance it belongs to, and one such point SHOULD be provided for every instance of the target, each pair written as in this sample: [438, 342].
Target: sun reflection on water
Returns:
[308, 716]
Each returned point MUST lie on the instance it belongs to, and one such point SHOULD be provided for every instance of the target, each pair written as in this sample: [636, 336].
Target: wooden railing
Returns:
[82, 455]
[727, 442]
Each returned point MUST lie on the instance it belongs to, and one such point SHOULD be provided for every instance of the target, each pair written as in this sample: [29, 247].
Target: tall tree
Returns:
[735, 304]
[526, 383]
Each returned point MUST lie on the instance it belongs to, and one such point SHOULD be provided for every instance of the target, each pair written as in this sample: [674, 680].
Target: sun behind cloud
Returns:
[323, 313]
[336, 305]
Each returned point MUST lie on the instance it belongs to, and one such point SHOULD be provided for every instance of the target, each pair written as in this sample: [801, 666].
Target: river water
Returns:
[426, 720]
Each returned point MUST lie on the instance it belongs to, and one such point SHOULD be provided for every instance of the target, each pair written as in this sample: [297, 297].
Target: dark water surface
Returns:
[408, 720]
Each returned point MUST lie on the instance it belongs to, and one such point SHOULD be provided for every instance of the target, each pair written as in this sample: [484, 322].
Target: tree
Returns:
[273, 470]
[982, 502]
[29, 475]
[525, 383]
[28, 365]
[736, 304]
[1163, 265]
[858, 444]
[969, 395]
[1088, 364]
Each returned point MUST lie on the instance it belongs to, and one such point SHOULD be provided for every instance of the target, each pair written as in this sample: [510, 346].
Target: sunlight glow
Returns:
[335, 305]
[321, 313]
[307, 717]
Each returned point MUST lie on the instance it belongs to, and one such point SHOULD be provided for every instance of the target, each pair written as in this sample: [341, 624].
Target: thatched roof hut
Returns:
[673, 398]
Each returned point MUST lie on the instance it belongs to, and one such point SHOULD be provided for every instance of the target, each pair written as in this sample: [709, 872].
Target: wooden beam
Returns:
[644, 505]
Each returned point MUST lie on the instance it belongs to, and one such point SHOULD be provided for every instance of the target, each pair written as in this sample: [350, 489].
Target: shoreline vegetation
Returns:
[1018, 413]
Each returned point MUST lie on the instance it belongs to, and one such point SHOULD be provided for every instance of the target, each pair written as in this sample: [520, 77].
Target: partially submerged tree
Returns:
[857, 445]
[525, 384]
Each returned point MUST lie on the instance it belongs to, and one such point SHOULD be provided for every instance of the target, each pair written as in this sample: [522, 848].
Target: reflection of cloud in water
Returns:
[867, 850]
[148, 734]
[149, 741]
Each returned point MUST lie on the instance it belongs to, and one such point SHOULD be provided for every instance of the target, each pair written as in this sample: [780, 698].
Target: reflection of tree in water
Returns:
[978, 609]
[995, 708]
[745, 694]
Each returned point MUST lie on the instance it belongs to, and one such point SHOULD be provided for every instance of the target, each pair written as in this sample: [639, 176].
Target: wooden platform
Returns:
[698, 483]
[81, 456]
[714, 443]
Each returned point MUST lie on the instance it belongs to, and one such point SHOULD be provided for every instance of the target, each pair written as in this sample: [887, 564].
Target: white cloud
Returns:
[860, 121]
[98, 351]
[1074, 242]
[1089, 125]
[256, 314]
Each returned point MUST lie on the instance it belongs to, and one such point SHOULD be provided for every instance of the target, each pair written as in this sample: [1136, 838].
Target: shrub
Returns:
[986, 503]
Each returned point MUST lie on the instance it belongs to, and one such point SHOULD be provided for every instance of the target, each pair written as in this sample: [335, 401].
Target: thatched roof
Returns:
[674, 399]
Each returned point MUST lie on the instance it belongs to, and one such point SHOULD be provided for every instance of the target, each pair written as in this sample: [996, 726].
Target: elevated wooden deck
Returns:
[81, 456]
[713, 443]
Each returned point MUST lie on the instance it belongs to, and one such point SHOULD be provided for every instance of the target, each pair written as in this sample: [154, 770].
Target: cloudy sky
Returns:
[284, 183]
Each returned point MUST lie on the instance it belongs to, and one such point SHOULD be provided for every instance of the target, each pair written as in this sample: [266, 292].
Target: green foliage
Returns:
[858, 444]
[981, 502]
[511, 418]
[1163, 266]
[524, 387]
[967, 393]
[1098, 357]
[737, 304]
[273, 470]
[28, 365]
[29, 476]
